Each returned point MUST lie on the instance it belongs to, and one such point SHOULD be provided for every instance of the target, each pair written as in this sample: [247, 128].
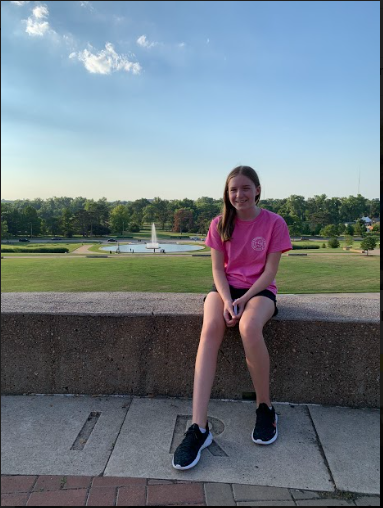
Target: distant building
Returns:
[367, 221]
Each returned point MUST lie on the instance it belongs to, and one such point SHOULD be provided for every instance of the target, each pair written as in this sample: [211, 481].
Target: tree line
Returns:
[67, 217]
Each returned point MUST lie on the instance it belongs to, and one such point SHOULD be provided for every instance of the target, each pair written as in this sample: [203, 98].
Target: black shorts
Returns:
[238, 292]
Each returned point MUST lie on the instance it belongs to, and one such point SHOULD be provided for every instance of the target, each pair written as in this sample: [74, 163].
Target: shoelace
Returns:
[191, 437]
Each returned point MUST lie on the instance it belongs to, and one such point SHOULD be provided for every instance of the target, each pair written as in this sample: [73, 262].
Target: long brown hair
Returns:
[226, 223]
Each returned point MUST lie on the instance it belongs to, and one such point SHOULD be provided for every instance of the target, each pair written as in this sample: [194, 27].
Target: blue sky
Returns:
[126, 100]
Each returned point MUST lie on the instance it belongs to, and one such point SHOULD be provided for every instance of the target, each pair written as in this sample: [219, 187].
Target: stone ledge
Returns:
[361, 307]
[324, 349]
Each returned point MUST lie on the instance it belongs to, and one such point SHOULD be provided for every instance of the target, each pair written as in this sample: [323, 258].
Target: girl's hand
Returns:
[239, 307]
[228, 314]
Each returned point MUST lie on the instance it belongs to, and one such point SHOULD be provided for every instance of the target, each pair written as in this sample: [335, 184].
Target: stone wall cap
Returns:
[361, 307]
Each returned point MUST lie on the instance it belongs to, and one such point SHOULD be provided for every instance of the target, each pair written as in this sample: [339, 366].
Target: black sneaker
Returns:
[265, 431]
[188, 452]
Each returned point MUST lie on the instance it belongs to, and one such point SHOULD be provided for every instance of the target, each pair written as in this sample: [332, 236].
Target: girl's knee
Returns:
[251, 331]
[212, 333]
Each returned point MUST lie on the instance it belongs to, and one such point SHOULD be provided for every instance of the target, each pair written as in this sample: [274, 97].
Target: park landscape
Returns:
[85, 267]
[78, 244]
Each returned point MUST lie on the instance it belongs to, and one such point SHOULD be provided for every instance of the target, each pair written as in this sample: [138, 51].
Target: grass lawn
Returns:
[321, 250]
[306, 274]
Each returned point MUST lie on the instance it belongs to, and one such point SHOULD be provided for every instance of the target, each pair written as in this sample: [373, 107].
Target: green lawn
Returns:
[321, 250]
[301, 274]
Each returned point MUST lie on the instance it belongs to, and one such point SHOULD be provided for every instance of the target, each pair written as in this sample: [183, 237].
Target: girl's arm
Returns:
[220, 281]
[267, 277]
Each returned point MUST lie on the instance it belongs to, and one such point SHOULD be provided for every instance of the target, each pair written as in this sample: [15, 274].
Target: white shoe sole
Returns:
[258, 441]
[207, 443]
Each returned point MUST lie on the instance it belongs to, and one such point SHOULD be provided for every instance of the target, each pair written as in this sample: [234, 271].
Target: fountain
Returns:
[153, 241]
[152, 245]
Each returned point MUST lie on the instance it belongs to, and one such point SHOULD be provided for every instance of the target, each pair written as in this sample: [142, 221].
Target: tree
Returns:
[136, 210]
[149, 213]
[330, 230]
[206, 209]
[320, 219]
[52, 225]
[349, 240]
[12, 216]
[161, 211]
[296, 206]
[353, 207]
[119, 218]
[67, 223]
[31, 223]
[368, 243]
[360, 227]
[98, 215]
[374, 205]
[376, 227]
[183, 220]
[332, 207]
[81, 222]
[349, 230]
[294, 224]
[4, 230]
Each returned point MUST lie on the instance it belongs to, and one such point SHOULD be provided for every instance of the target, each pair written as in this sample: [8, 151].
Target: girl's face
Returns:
[242, 193]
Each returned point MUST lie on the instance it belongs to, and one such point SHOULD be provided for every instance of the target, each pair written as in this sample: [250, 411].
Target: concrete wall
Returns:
[324, 348]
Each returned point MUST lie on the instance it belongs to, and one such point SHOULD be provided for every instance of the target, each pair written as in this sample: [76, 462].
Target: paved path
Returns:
[84, 249]
[116, 451]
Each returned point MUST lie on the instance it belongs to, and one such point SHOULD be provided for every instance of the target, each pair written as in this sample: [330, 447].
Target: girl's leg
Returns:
[257, 312]
[212, 333]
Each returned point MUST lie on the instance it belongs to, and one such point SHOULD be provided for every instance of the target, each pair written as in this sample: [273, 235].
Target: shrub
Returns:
[134, 228]
[52, 250]
[299, 247]
[323, 245]
[333, 243]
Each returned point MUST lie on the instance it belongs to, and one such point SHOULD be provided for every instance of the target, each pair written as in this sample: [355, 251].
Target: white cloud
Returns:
[35, 28]
[19, 3]
[36, 24]
[142, 41]
[40, 12]
[118, 19]
[106, 61]
[181, 45]
[87, 5]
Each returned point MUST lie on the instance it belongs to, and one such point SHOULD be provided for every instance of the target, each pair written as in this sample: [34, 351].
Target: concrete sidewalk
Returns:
[87, 451]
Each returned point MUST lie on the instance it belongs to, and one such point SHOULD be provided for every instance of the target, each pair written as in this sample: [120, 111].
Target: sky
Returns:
[130, 100]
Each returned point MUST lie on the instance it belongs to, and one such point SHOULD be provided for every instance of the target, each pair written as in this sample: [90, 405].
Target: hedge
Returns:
[52, 250]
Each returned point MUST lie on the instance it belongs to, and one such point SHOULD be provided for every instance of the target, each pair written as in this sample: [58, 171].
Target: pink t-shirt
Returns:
[251, 242]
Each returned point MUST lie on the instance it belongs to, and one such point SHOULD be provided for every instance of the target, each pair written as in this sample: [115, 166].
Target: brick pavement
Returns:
[116, 491]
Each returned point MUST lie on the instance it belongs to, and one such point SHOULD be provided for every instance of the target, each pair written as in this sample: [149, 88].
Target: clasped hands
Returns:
[233, 310]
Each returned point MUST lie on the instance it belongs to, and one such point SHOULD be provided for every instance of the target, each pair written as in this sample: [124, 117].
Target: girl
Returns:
[246, 246]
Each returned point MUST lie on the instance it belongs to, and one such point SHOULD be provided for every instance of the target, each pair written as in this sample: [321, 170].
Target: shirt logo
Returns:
[258, 243]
